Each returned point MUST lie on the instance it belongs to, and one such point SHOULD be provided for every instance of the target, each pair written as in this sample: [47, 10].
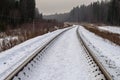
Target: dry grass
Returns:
[115, 38]
[25, 32]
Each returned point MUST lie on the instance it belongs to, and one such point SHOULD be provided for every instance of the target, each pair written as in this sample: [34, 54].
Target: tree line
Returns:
[107, 12]
[15, 12]
[95, 12]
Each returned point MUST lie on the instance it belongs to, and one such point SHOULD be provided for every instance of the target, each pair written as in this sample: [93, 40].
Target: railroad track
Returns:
[31, 60]
[94, 61]
[97, 68]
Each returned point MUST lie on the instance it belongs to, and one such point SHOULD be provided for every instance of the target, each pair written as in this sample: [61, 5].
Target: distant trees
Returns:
[97, 12]
[74, 14]
[13, 12]
[38, 16]
[114, 12]
[59, 17]
[27, 9]
[7, 9]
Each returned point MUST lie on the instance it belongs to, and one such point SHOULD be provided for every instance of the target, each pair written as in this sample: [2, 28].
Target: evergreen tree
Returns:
[113, 14]
[27, 9]
[31, 9]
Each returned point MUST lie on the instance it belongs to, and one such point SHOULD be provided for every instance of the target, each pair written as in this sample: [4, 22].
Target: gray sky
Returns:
[59, 6]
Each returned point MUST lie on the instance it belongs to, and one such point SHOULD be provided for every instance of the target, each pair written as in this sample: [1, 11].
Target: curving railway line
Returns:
[95, 70]
[93, 59]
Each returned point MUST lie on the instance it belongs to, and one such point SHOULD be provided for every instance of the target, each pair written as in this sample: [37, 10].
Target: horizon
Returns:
[59, 7]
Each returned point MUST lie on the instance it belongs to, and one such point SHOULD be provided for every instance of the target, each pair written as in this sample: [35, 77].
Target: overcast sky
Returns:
[59, 6]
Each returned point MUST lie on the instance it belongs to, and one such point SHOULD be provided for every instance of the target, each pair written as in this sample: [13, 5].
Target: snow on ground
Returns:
[112, 29]
[107, 52]
[11, 58]
[7, 39]
[62, 60]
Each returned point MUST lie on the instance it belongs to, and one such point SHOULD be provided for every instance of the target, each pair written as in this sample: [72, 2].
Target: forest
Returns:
[107, 12]
[21, 19]
[14, 12]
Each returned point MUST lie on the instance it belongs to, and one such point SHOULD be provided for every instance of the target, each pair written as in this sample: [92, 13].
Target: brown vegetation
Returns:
[27, 31]
[115, 38]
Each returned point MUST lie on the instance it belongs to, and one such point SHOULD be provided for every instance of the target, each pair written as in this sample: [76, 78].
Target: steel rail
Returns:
[20, 67]
[91, 53]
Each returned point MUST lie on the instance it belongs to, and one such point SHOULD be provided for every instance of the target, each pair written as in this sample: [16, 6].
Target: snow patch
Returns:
[107, 53]
[112, 29]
